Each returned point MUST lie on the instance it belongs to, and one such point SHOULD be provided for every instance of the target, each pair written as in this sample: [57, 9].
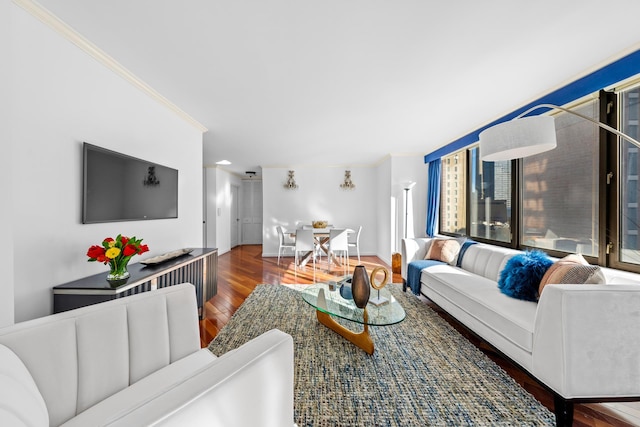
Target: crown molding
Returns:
[95, 52]
[230, 172]
[352, 165]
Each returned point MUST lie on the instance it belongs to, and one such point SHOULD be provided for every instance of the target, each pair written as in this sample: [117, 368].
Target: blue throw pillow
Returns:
[521, 277]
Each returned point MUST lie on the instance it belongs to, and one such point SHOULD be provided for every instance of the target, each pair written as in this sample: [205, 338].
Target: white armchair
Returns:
[137, 361]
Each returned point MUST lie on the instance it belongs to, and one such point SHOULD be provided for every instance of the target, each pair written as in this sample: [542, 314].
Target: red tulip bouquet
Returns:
[117, 253]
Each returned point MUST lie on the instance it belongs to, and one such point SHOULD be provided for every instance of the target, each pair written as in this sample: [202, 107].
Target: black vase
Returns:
[360, 286]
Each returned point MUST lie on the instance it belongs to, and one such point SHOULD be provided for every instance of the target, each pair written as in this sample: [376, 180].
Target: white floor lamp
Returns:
[407, 188]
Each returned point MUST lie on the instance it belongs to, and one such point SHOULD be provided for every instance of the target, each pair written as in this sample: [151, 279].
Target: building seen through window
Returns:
[629, 216]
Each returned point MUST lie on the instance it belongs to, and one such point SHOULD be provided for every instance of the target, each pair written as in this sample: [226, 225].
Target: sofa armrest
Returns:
[413, 249]
[586, 341]
[251, 385]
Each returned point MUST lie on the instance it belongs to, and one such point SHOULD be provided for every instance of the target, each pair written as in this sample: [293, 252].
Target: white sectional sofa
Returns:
[580, 341]
[137, 361]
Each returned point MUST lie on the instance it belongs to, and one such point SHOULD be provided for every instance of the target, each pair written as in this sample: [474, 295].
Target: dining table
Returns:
[321, 237]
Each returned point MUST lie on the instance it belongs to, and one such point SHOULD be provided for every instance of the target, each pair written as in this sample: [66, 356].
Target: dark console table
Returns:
[200, 267]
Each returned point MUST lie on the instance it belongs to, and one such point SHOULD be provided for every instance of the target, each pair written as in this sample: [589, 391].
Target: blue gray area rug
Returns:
[422, 373]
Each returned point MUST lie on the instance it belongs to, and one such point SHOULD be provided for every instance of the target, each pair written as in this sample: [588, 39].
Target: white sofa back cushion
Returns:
[486, 260]
[20, 401]
[96, 351]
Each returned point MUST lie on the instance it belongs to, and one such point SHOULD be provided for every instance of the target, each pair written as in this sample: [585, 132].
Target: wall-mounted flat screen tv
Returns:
[117, 187]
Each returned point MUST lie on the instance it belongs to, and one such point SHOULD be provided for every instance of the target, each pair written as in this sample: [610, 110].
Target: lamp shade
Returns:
[518, 138]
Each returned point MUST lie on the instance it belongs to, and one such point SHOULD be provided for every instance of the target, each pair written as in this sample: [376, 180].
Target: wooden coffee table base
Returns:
[360, 339]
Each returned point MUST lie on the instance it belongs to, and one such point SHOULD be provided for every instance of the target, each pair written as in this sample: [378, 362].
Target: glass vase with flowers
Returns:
[117, 253]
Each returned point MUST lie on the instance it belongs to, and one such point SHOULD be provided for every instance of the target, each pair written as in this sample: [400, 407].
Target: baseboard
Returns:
[285, 255]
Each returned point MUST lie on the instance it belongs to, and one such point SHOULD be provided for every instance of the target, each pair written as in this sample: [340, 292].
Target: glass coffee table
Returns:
[328, 302]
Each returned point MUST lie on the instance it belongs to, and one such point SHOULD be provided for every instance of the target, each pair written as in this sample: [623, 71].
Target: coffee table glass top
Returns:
[386, 314]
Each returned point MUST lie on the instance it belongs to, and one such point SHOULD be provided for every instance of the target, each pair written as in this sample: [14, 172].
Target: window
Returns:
[560, 188]
[581, 197]
[457, 182]
[490, 199]
[628, 216]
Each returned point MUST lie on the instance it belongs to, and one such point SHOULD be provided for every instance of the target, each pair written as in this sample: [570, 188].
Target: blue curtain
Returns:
[433, 196]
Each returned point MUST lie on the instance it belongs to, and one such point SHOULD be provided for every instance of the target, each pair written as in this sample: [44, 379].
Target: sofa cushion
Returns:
[445, 250]
[522, 275]
[463, 248]
[486, 260]
[142, 391]
[414, 271]
[614, 276]
[55, 371]
[101, 342]
[91, 355]
[478, 296]
[20, 401]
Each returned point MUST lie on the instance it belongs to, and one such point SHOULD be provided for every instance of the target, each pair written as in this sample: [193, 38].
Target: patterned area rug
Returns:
[422, 373]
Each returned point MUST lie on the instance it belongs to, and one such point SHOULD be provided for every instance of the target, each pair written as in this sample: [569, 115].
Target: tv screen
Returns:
[117, 187]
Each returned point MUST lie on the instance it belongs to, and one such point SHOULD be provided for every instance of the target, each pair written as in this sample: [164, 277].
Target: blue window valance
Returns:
[617, 71]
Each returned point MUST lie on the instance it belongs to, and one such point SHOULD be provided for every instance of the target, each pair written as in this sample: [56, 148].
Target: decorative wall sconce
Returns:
[151, 178]
[291, 182]
[347, 184]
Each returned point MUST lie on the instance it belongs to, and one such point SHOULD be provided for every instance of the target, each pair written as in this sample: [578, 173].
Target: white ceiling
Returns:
[289, 83]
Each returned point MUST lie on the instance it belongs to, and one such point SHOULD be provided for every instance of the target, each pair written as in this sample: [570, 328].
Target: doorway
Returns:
[234, 218]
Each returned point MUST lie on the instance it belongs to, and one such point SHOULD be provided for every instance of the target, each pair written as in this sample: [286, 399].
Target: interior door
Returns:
[251, 212]
[234, 217]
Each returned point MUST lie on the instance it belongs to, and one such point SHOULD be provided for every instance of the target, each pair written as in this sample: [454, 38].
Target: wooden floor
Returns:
[241, 269]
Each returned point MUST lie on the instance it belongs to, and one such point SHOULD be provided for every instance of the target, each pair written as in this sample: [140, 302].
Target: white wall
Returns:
[63, 97]
[218, 207]
[210, 208]
[392, 176]
[405, 169]
[6, 193]
[385, 213]
[372, 204]
[319, 197]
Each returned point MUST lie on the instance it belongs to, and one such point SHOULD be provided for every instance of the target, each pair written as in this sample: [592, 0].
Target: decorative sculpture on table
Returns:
[360, 286]
[345, 287]
[378, 300]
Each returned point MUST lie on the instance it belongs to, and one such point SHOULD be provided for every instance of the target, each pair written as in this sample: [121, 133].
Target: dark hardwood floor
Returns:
[241, 269]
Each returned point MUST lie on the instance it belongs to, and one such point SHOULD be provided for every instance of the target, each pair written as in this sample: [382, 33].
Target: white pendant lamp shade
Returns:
[518, 138]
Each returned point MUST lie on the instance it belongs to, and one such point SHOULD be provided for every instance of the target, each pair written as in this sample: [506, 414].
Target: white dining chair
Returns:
[354, 241]
[338, 244]
[304, 243]
[285, 243]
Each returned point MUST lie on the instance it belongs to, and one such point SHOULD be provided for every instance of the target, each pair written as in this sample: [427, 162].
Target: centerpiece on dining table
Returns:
[319, 224]
[117, 253]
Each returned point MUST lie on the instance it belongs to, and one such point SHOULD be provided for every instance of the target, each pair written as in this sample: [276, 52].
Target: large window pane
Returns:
[560, 188]
[490, 216]
[629, 219]
[453, 194]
